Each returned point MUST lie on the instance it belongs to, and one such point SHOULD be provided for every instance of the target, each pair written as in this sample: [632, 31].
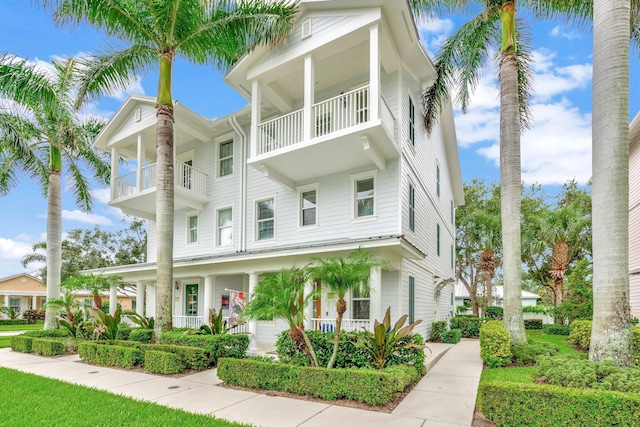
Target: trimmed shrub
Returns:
[512, 404]
[22, 343]
[141, 335]
[553, 329]
[495, 344]
[635, 338]
[364, 385]
[469, 325]
[47, 333]
[437, 330]
[48, 347]
[580, 334]
[452, 336]
[191, 357]
[162, 362]
[528, 354]
[110, 355]
[494, 312]
[13, 321]
[32, 315]
[124, 332]
[533, 324]
[216, 346]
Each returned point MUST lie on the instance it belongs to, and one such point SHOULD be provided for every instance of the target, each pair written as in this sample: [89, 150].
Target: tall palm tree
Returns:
[611, 333]
[154, 34]
[342, 275]
[39, 131]
[280, 295]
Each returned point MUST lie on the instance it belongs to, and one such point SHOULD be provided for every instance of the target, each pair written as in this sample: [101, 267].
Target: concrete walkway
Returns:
[444, 397]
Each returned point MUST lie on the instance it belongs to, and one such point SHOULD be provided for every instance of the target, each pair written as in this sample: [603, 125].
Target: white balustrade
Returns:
[194, 322]
[348, 325]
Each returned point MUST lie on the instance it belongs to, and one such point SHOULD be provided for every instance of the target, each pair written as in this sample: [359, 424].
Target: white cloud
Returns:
[569, 34]
[560, 80]
[434, 25]
[83, 217]
[11, 252]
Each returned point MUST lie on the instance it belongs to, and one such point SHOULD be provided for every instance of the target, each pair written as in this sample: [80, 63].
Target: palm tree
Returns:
[154, 34]
[39, 132]
[611, 333]
[95, 284]
[342, 275]
[280, 295]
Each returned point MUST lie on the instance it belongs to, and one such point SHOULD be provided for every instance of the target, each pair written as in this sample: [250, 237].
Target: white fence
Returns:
[348, 325]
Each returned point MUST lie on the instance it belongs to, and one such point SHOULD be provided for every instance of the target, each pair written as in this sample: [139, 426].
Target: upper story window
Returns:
[265, 219]
[308, 206]
[364, 194]
[192, 228]
[412, 208]
[438, 239]
[438, 179]
[412, 300]
[412, 122]
[225, 158]
[452, 213]
[452, 258]
[225, 227]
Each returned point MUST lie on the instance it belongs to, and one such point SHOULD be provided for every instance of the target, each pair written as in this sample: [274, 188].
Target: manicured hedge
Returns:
[469, 325]
[495, 344]
[513, 404]
[48, 347]
[368, 386]
[110, 355]
[22, 343]
[553, 329]
[635, 337]
[438, 329]
[141, 335]
[528, 354]
[533, 324]
[190, 357]
[13, 321]
[162, 362]
[216, 346]
[452, 336]
[47, 333]
[123, 332]
[580, 334]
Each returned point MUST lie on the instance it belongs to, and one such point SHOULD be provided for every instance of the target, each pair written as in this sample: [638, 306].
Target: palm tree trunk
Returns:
[510, 177]
[611, 333]
[54, 236]
[341, 307]
[558, 282]
[164, 200]
[310, 349]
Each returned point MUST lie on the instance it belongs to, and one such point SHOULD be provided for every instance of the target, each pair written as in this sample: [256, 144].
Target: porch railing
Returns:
[185, 176]
[280, 132]
[348, 325]
[195, 322]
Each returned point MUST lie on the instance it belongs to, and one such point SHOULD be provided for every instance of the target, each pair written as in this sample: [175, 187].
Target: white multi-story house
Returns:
[330, 155]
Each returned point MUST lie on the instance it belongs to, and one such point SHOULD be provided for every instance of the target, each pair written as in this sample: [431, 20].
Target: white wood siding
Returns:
[634, 227]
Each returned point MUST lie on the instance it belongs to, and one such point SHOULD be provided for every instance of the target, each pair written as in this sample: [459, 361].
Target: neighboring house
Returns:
[528, 298]
[22, 292]
[634, 216]
[330, 155]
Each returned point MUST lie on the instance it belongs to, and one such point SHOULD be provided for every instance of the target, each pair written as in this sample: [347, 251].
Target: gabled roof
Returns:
[31, 276]
[498, 292]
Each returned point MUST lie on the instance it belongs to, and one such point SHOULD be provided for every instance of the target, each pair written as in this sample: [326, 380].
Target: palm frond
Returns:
[25, 84]
[525, 75]
[575, 12]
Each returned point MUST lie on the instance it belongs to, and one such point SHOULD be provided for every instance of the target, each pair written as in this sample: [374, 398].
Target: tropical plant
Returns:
[342, 275]
[155, 34]
[385, 341]
[95, 284]
[107, 323]
[217, 325]
[281, 295]
[11, 312]
[142, 321]
[39, 134]
[72, 310]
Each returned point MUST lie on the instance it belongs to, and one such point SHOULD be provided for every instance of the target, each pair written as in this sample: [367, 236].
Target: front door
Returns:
[191, 299]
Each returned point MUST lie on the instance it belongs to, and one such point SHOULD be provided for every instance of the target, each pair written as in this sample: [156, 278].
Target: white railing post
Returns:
[374, 72]
[253, 324]
[309, 87]
[139, 176]
[115, 156]
[375, 295]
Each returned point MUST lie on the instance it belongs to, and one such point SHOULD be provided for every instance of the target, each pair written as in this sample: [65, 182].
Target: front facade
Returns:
[330, 155]
[22, 292]
[634, 216]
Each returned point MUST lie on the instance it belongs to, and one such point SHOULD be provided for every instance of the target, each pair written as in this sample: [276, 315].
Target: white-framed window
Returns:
[265, 219]
[438, 239]
[438, 179]
[452, 258]
[364, 195]
[14, 302]
[412, 208]
[225, 158]
[453, 213]
[412, 122]
[308, 205]
[192, 228]
[412, 300]
[224, 221]
[360, 304]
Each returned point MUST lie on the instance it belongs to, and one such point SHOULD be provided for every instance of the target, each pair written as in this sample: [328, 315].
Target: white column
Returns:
[374, 72]
[6, 300]
[256, 115]
[151, 299]
[308, 311]
[114, 171]
[113, 299]
[209, 283]
[139, 297]
[33, 302]
[253, 324]
[309, 88]
[140, 175]
[375, 301]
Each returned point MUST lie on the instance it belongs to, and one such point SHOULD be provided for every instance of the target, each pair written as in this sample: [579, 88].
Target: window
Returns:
[452, 213]
[364, 197]
[438, 239]
[308, 215]
[412, 299]
[87, 302]
[14, 303]
[452, 257]
[265, 219]
[191, 299]
[225, 227]
[361, 303]
[438, 179]
[412, 123]
[412, 206]
[225, 158]
[192, 229]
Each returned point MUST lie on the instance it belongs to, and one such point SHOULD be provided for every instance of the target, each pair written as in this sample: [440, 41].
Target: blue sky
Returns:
[556, 148]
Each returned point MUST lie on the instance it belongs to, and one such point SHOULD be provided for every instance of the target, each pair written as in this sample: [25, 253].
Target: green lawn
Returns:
[559, 340]
[45, 401]
[33, 327]
[5, 342]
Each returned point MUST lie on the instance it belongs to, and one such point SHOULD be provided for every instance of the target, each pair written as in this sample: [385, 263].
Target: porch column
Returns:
[151, 299]
[139, 175]
[139, 297]
[309, 88]
[209, 283]
[375, 297]
[374, 72]
[6, 300]
[34, 302]
[253, 324]
[114, 172]
[113, 299]
[308, 310]
[256, 116]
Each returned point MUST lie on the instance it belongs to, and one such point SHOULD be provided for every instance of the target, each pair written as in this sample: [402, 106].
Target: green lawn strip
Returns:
[50, 402]
[524, 375]
[28, 327]
[559, 340]
[5, 342]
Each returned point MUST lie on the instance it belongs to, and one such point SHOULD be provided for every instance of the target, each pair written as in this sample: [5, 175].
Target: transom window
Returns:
[412, 206]
[364, 197]
[225, 157]
[265, 216]
[308, 212]
[192, 229]
[225, 227]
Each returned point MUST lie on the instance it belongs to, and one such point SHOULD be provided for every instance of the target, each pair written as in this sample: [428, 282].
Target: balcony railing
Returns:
[195, 322]
[280, 132]
[348, 325]
[185, 176]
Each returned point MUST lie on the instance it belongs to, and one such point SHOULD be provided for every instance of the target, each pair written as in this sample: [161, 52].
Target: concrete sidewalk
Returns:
[444, 397]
